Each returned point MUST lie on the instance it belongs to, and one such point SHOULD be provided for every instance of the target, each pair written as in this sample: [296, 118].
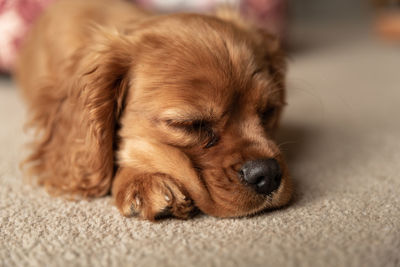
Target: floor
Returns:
[340, 133]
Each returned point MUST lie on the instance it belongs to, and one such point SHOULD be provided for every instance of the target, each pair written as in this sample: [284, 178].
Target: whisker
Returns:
[286, 143]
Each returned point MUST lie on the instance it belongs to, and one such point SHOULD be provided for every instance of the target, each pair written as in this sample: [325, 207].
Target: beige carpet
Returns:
[341, 132]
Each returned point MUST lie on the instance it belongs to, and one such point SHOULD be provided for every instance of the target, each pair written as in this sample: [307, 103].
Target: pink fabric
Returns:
[268, 14]
[16, 16]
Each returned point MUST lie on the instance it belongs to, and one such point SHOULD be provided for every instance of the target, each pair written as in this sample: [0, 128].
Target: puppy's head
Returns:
[205, 95]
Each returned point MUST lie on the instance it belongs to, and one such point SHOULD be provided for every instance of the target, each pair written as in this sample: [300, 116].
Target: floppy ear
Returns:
[270, 56]
[275, 57]
[79, 117]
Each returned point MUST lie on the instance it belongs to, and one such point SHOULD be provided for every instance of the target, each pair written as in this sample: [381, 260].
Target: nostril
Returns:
[262, 182]
[278, 178]
[264, 175]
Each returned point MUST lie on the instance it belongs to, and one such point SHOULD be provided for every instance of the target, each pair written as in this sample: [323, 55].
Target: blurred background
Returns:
[284, 18]
[340, 135]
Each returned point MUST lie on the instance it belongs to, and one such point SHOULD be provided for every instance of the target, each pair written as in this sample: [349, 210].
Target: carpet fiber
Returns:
[341, 135]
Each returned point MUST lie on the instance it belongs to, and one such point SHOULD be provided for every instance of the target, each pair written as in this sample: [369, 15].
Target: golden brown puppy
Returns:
[167, 112]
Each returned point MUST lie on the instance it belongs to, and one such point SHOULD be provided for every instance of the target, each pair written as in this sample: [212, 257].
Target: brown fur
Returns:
[160, 110]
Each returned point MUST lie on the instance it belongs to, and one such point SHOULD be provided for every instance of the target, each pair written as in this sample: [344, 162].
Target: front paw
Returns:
[151, 196]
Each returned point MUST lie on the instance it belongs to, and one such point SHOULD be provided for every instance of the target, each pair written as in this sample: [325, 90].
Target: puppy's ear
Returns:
[273, 59]
[76, 153]
[102, 80]
[268, 52]
[274, 56]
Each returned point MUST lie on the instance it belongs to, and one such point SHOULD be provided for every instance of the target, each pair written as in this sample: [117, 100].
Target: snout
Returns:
[263, 175]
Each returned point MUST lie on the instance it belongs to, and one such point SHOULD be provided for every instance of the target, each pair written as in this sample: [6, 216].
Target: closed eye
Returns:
[268, 114]
[202, 128]
[257, 71]
[188, 125]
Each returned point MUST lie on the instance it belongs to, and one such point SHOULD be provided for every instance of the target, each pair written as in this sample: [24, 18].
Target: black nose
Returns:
[264, 175]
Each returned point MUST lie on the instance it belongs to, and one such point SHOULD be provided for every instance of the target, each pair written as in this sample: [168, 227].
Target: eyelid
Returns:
[189, 124]
[257, 71]
[275, 105]
[213, 140]
[175, 122]
[203, 128]
[178, 115]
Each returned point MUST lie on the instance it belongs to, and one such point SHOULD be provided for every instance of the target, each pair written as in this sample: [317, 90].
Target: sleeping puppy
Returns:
[169, 113]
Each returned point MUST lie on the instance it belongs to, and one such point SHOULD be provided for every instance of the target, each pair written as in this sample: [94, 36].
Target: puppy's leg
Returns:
[150, 195]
